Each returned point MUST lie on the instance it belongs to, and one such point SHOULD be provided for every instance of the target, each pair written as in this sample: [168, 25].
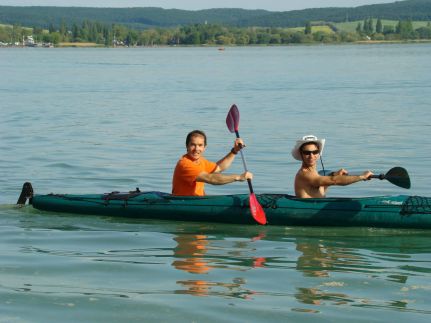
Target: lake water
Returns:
[99, 120]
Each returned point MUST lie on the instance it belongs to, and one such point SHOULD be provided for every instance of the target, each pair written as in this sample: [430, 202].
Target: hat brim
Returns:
[296, 152]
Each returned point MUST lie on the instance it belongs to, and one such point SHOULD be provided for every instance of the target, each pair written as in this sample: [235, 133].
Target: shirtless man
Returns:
[193, 170]
[308, 182]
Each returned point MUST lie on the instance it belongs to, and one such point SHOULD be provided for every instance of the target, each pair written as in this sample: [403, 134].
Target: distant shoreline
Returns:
[360, 42]
[221, 48]
[411, 41]
[80, 45]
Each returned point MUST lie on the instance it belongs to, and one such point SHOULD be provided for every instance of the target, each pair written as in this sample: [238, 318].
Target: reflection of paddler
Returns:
[318, 260]
[191, 248]
[195, 287]
[316, 296]
[190, 257]
[205, 288]
[314, 260]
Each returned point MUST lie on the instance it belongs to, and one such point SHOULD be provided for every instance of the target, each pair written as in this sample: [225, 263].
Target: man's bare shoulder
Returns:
[307, 173]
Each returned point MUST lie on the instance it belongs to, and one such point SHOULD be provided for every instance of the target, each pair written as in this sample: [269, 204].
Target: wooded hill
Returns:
[142, 18]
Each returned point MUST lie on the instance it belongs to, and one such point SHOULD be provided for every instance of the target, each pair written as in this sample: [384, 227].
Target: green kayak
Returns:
[381, 211]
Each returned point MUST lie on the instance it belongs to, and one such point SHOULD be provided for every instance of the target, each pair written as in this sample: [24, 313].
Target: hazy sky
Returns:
[272, 5]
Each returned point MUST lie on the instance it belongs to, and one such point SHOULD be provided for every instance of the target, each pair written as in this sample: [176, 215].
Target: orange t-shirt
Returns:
[184, 179]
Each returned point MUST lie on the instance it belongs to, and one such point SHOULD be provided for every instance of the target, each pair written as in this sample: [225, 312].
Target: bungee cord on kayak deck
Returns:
[416, 205]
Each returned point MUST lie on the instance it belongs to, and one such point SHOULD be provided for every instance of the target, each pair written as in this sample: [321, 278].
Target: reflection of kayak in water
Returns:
[381, 211]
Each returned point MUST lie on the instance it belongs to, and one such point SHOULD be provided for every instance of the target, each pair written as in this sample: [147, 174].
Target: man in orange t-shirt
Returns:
[193, 170]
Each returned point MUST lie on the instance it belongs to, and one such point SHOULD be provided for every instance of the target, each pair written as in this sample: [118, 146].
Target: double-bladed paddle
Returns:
[232, 122]
[396, 175]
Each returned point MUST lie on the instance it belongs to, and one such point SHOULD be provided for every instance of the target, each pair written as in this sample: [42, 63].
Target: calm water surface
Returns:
[98, 120]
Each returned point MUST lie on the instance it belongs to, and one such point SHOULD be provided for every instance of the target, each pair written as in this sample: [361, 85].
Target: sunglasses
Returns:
[309, 152]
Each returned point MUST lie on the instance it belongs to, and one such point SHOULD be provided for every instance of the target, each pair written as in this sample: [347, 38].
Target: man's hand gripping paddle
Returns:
[232, 122]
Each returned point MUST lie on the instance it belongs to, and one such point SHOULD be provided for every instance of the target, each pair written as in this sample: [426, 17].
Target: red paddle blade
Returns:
[256, 210]
[232, 119]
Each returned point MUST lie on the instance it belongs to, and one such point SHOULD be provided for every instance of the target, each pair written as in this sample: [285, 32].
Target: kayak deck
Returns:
[381, 211]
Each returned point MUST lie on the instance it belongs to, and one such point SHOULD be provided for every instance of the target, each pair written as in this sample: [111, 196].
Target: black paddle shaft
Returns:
[249, 186]
[245, 166]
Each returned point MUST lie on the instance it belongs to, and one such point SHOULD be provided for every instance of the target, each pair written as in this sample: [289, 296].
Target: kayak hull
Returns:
[381, 211]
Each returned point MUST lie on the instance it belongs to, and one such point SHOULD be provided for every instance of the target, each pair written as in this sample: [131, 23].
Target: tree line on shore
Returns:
[212, 34]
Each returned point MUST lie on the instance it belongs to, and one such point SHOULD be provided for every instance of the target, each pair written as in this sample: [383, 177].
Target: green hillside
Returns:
[142, 18]
[138, 18]
[351, 26]
[419, 10]
[400, 21]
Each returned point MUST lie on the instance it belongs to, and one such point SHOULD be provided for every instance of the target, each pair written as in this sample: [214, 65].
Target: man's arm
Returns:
[339, 178]
[221, 179]
[227, 160]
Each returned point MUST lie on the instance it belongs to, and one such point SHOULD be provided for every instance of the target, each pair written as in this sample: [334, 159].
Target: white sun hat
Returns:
[296, 153]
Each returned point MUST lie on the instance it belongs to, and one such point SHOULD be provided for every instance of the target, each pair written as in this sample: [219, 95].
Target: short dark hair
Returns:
[196, 133]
